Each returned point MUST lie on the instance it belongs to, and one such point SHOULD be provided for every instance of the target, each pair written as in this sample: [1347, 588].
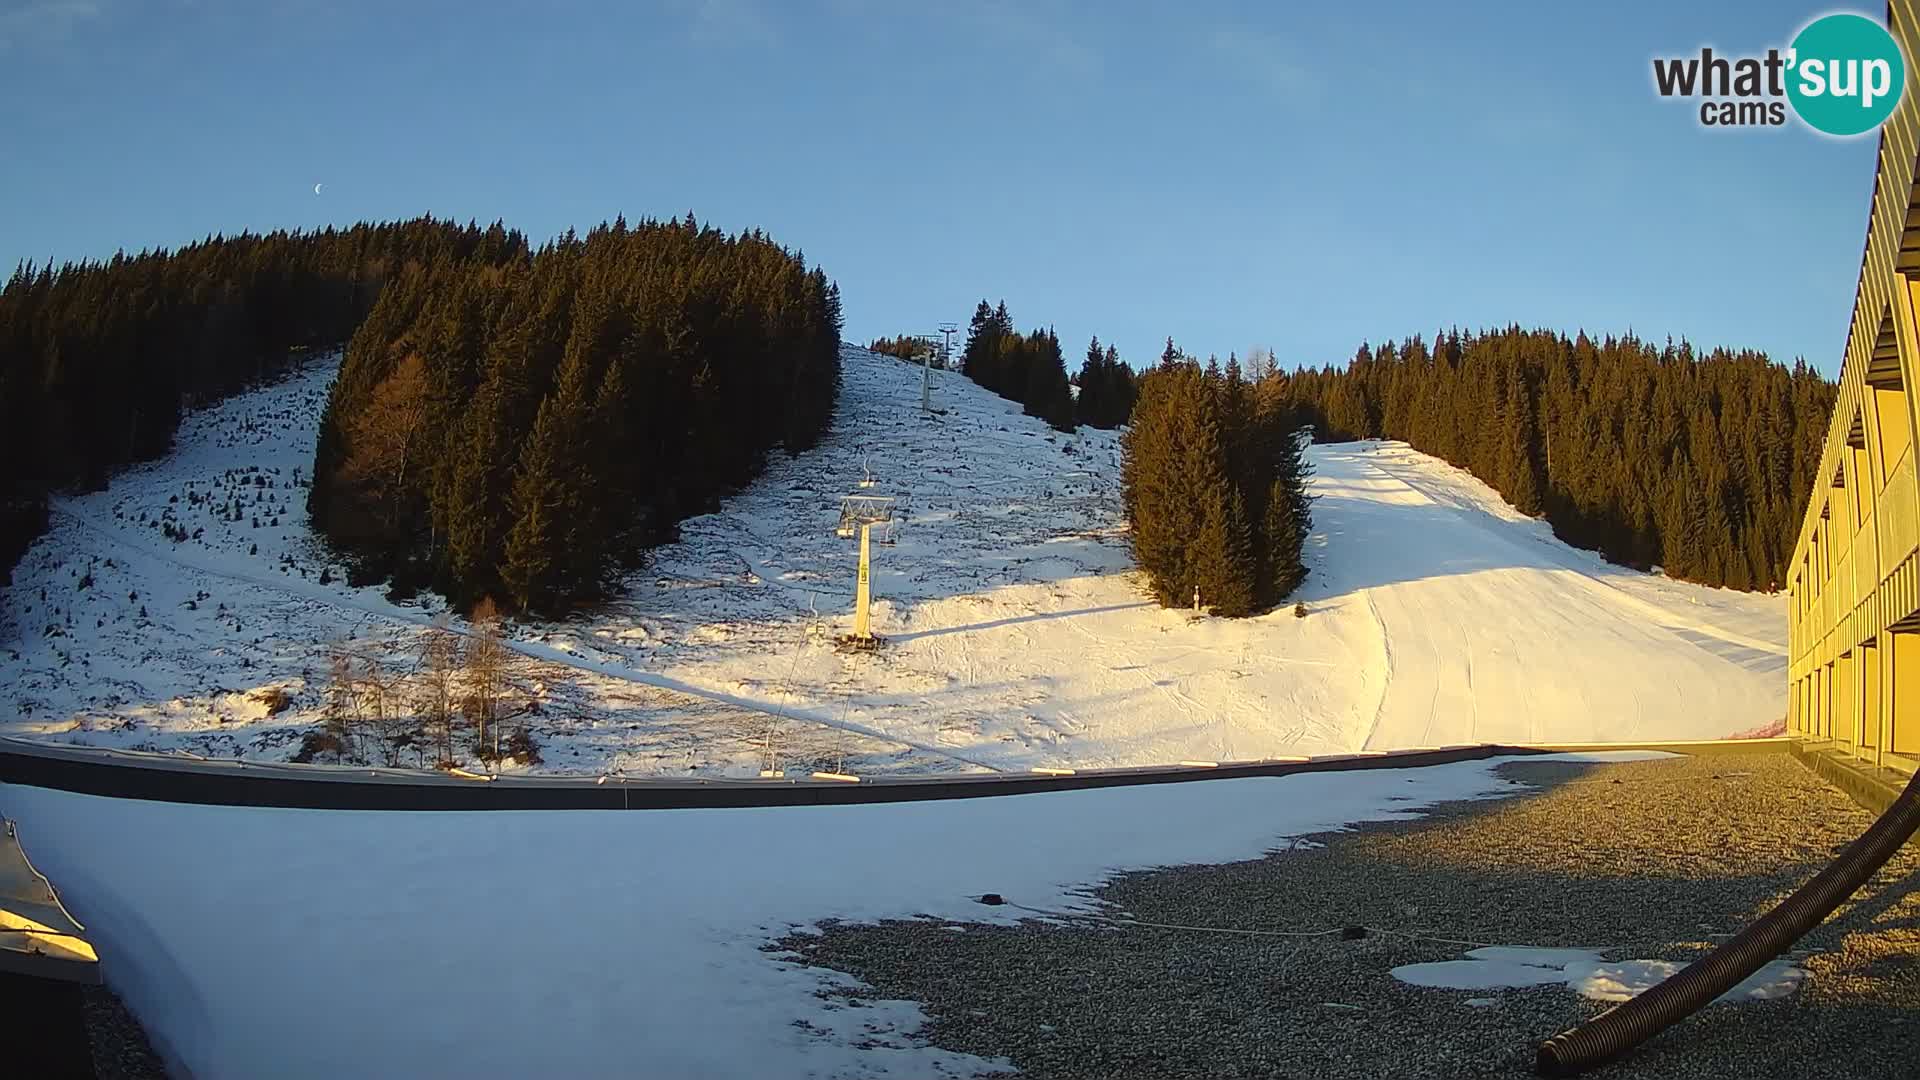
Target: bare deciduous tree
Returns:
[341, 716]
[439, 670]
[486, 676]
[392, 725]
[366, 710]
[1260, 363]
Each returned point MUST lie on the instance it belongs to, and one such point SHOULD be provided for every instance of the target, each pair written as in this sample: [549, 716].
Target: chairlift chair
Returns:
[874, 510]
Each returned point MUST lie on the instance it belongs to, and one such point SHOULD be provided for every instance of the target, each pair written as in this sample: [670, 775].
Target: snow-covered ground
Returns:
[1584, 971]
[1018, 632]
[308, 943]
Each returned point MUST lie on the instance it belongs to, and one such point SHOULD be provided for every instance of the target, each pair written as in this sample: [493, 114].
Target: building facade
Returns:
[1854, 582]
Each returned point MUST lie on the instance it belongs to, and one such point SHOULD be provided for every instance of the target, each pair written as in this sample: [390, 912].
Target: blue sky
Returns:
[1302, 176]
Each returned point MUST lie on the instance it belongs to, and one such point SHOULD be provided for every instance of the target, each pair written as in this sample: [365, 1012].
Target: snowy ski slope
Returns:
[1018, 632]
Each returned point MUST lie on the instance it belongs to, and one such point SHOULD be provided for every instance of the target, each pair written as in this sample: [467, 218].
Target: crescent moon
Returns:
[316, 189]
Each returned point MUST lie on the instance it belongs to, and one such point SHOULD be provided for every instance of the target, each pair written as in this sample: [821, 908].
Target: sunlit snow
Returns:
[1583, 971]
[1018, 632]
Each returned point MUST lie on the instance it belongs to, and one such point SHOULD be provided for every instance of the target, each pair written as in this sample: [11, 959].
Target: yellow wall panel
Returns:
[1844, 717]
[1905, 709]
[1852, 570]
[1895, 429]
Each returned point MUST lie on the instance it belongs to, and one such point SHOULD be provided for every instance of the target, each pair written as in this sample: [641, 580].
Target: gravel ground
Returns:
[120, 1048]
[1650, 860]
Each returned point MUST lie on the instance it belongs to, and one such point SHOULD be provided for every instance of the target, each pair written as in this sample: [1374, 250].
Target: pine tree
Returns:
[982, 345]
[550, 548]
[1284, 533]
[1521, 487]
[1120, 389]
[1155, 486]
[1092, 407]
[1048, 395]
[610, 451]
[1215, 502]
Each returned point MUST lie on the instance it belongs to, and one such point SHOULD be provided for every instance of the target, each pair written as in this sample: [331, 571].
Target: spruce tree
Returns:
[1285, 534]
[1120, 389]
[551, 553]
[1201, 511]
[1092, 406]
[1048, 395]
[1155, 488]
[980, 349]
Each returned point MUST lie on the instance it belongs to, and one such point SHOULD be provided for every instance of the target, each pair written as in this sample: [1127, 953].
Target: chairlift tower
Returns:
[947, 330]
[946, 361]
[863, 514]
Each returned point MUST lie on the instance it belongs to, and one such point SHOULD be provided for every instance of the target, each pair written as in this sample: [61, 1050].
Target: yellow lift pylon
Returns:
[864, 514]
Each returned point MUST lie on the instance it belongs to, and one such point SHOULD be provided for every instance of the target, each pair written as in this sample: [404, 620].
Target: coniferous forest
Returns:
[506, 422]
[1026, 368]
[1654, 456]
[522, 424]
[1215, 488]
[526, 430]
[1107, 388]
[906, 347]
[98, 360]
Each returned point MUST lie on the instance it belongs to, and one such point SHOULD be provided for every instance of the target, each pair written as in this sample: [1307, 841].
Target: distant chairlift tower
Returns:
[872, 517]
[947, 330]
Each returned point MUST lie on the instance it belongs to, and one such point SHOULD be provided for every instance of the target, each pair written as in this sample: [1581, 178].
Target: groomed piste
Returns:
[1018, 634]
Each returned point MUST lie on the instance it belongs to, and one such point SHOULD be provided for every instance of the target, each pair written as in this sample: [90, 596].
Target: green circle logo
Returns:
[1845, 74]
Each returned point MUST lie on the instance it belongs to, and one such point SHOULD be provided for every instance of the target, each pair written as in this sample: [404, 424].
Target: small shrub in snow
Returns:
[316, 744]
[275, 698]
[521, 748]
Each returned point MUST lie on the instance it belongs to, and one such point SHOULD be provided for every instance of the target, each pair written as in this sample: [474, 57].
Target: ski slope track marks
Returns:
[1019, 632]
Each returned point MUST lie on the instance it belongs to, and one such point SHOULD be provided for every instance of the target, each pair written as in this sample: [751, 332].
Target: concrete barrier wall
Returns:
[171, 778]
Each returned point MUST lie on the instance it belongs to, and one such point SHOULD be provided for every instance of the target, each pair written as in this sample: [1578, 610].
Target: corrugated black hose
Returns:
[1633, 1022]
